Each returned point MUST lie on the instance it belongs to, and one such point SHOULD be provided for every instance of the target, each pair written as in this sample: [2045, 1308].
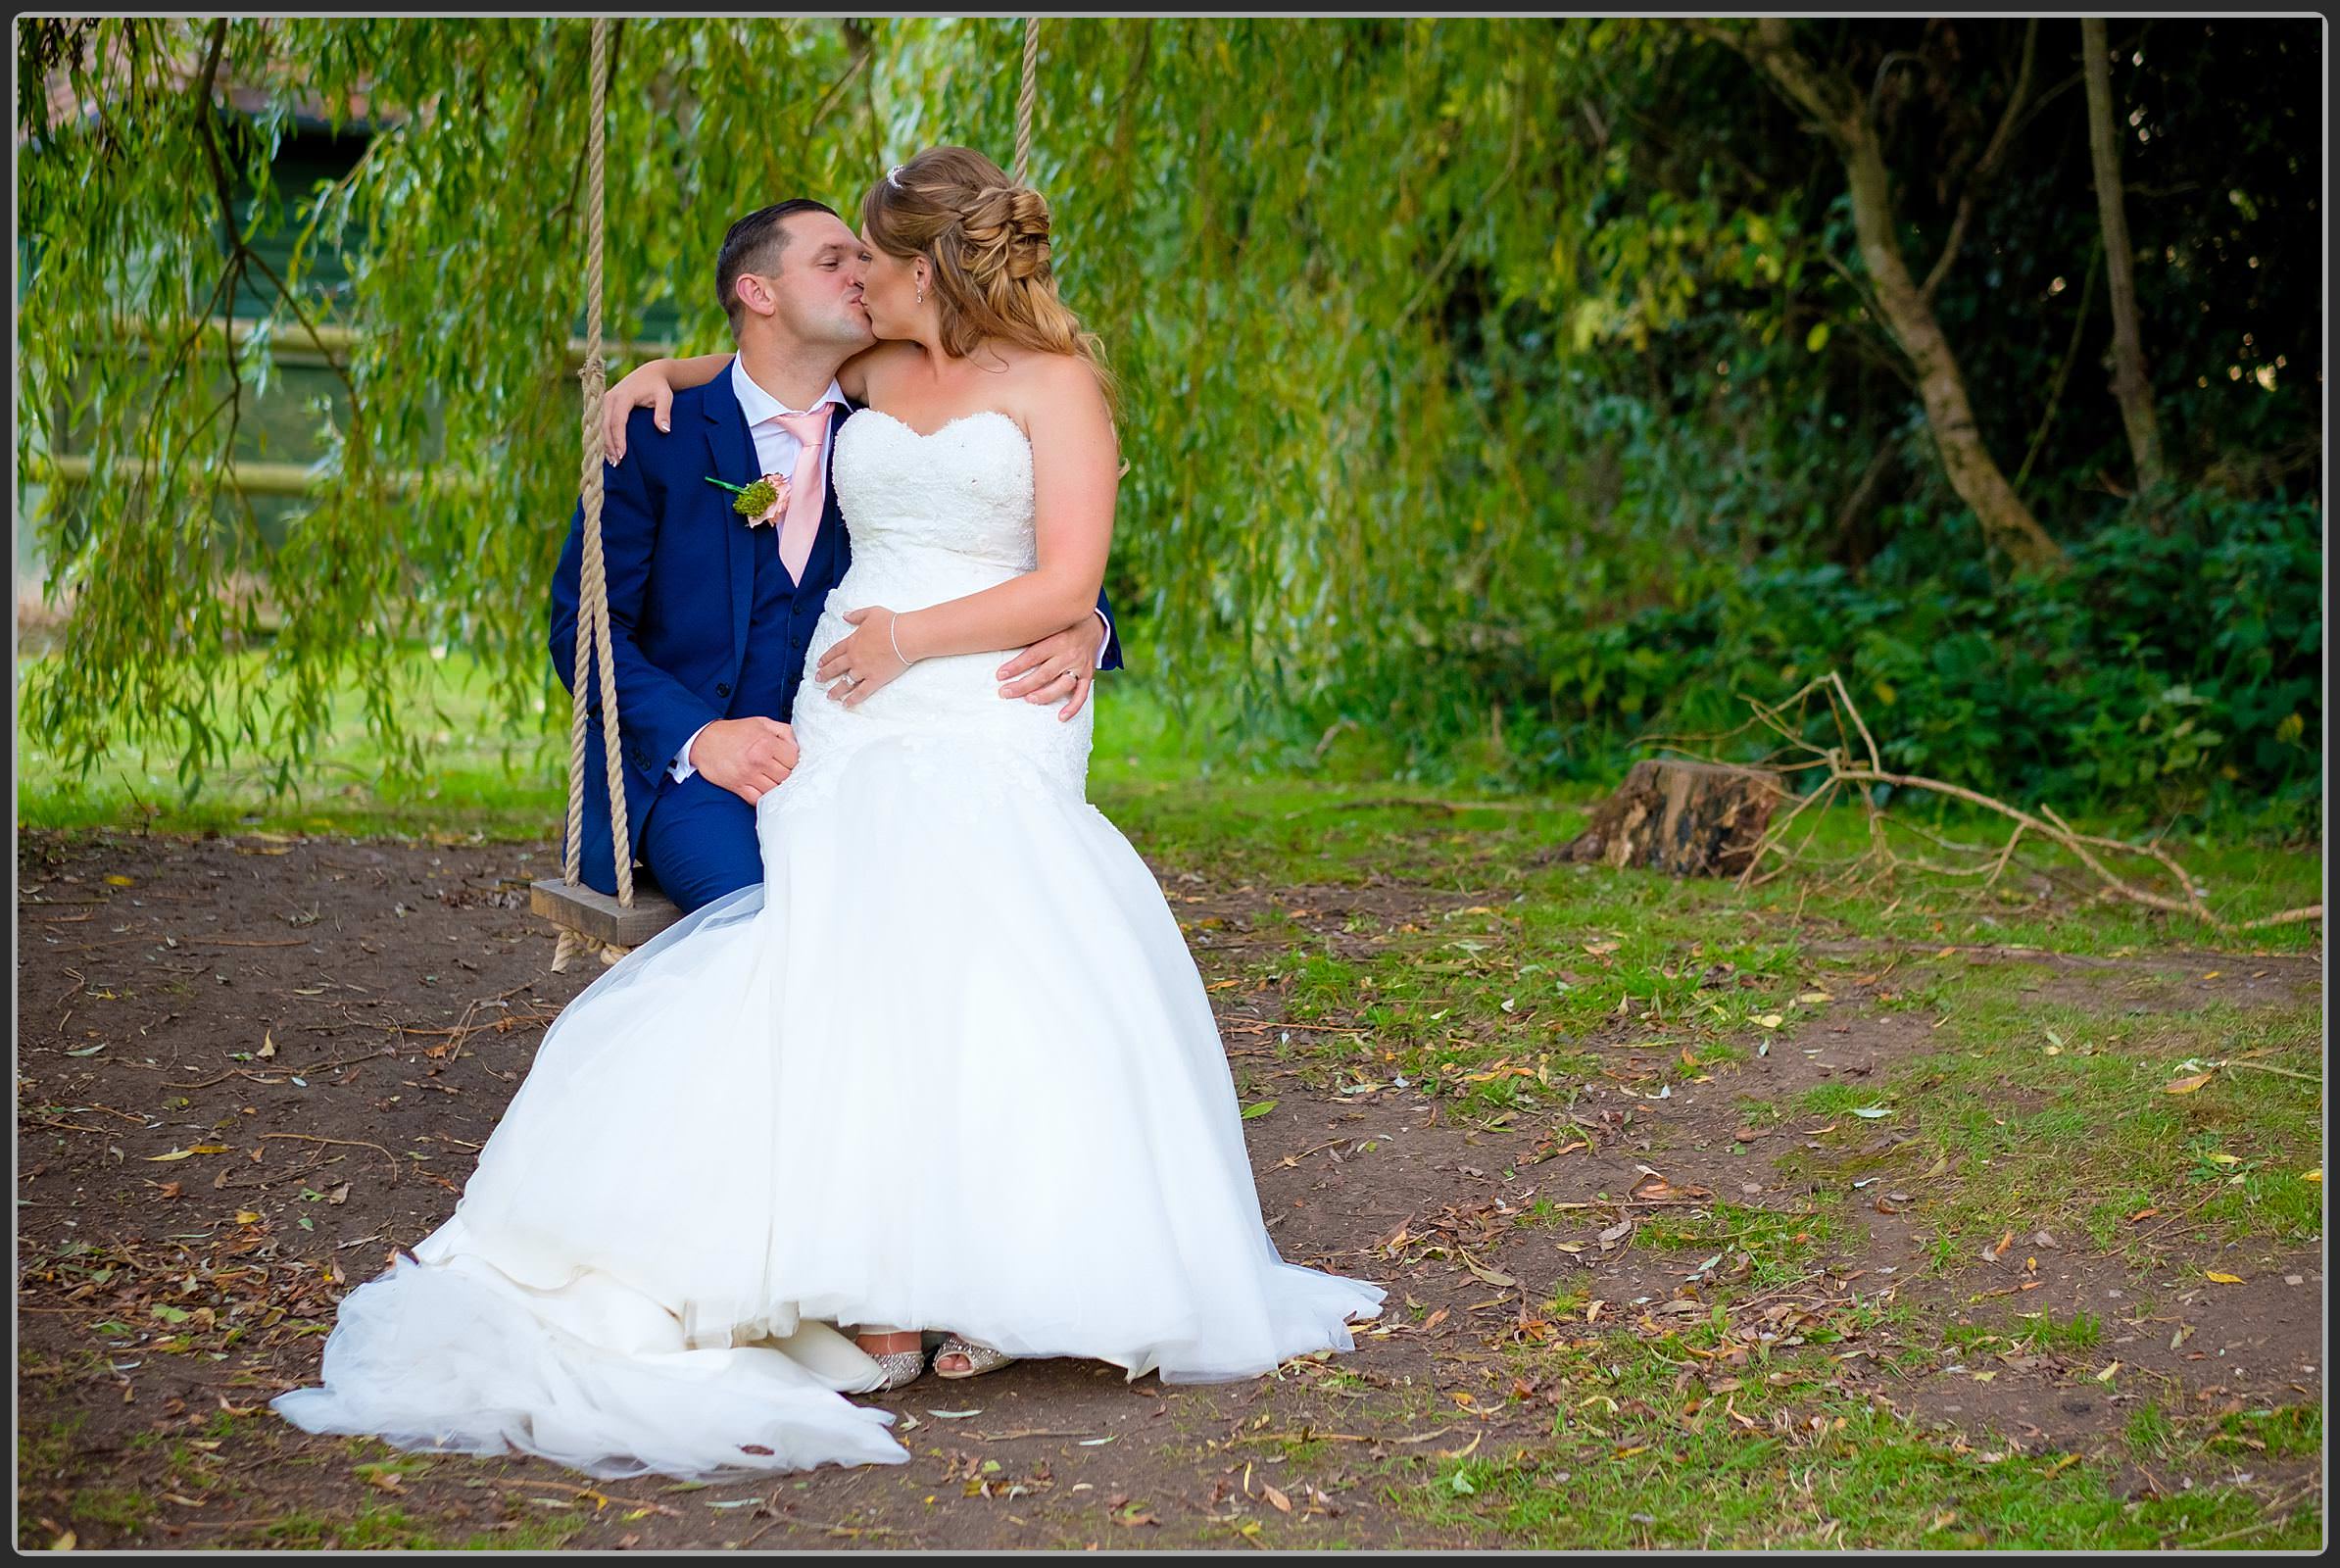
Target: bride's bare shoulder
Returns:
[1039, 376]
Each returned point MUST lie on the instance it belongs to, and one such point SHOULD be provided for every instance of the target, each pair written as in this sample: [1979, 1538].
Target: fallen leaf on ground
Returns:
[2215, 1278]
[1482, 1271]
[2186, 1086]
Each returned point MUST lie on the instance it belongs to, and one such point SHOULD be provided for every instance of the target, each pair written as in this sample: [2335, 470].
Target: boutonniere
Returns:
[759, 502]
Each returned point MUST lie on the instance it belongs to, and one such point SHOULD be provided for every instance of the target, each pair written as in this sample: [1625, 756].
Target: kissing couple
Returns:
[928, 1056]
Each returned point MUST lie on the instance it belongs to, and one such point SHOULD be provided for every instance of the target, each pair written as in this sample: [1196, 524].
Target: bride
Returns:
[842, 1097]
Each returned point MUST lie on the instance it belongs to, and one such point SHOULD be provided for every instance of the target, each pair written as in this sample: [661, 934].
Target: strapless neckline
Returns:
[946, 425]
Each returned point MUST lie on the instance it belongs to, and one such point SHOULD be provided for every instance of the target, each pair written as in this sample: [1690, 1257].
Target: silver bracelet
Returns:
[891, 623]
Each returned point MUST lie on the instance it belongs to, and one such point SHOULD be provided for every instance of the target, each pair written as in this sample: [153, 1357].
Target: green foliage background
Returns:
[1500, 389]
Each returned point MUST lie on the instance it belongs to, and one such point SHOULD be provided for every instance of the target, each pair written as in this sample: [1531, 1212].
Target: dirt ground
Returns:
[249, 1067]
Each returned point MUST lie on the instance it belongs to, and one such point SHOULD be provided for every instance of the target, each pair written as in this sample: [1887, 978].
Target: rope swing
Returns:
[587, 920]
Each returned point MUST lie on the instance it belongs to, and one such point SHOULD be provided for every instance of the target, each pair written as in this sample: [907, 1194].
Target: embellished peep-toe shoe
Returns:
[900, 1366]
[981, 1358]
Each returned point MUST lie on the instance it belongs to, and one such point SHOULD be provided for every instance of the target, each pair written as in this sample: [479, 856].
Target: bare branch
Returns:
[1988, 163]
[2093, 851]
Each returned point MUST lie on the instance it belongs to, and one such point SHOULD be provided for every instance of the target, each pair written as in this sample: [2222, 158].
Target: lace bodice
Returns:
[964, 489]
[935, 516]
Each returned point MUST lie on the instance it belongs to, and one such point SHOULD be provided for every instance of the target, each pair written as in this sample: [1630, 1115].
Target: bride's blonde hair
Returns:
[986, 240]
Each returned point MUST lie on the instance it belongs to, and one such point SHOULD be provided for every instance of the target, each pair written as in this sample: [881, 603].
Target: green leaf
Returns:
[1253, 1112]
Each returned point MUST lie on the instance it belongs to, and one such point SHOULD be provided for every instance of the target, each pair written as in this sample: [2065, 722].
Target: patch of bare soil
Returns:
[249, 1067]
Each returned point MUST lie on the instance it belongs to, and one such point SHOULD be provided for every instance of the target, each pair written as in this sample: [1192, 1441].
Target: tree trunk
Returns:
[1949, 413]
[2129, 383]
[1684, 819]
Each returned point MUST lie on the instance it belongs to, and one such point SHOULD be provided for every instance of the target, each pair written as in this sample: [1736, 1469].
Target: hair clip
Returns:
[890, 180]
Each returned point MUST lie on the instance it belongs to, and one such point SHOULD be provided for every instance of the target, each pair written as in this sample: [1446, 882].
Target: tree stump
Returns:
[1682, 819]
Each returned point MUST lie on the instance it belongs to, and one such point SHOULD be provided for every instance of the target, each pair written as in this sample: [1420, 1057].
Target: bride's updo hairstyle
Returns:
[986, 240]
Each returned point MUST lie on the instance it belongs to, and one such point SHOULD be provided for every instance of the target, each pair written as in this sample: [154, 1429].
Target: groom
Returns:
[709, 618]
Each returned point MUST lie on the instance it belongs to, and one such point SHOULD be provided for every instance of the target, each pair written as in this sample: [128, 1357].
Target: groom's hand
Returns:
[745, 755]
[1057, 668]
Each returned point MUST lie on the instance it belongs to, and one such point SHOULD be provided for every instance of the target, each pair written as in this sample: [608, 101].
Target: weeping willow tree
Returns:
[1270, 278]
[1451, 345]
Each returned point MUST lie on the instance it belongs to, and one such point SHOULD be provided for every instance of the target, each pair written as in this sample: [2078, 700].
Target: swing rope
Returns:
[593, 611]
[1024, 101]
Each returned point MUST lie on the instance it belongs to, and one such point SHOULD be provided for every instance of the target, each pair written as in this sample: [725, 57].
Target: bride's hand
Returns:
[643, 387]
[863, 660]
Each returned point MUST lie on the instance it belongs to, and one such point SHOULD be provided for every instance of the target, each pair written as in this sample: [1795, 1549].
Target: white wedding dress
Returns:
[950, 1067]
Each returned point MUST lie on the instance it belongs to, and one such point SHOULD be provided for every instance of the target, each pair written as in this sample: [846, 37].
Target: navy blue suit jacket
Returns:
[682, 578]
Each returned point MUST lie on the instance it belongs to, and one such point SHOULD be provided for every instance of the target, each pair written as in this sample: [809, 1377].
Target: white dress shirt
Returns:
[776, 450]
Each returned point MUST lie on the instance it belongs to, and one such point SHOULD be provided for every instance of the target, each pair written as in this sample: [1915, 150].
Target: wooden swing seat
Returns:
[599, 917]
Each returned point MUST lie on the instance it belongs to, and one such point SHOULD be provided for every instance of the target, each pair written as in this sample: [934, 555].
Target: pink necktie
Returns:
[802, 520]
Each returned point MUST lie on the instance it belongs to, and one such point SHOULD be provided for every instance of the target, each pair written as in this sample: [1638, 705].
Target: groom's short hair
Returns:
[753, 245]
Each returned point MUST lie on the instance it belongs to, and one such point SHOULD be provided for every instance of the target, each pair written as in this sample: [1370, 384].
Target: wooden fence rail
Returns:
[325, 342]
[330, 338]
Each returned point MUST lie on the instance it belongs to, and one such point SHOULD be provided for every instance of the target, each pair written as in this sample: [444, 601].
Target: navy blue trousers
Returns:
[699, 842]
